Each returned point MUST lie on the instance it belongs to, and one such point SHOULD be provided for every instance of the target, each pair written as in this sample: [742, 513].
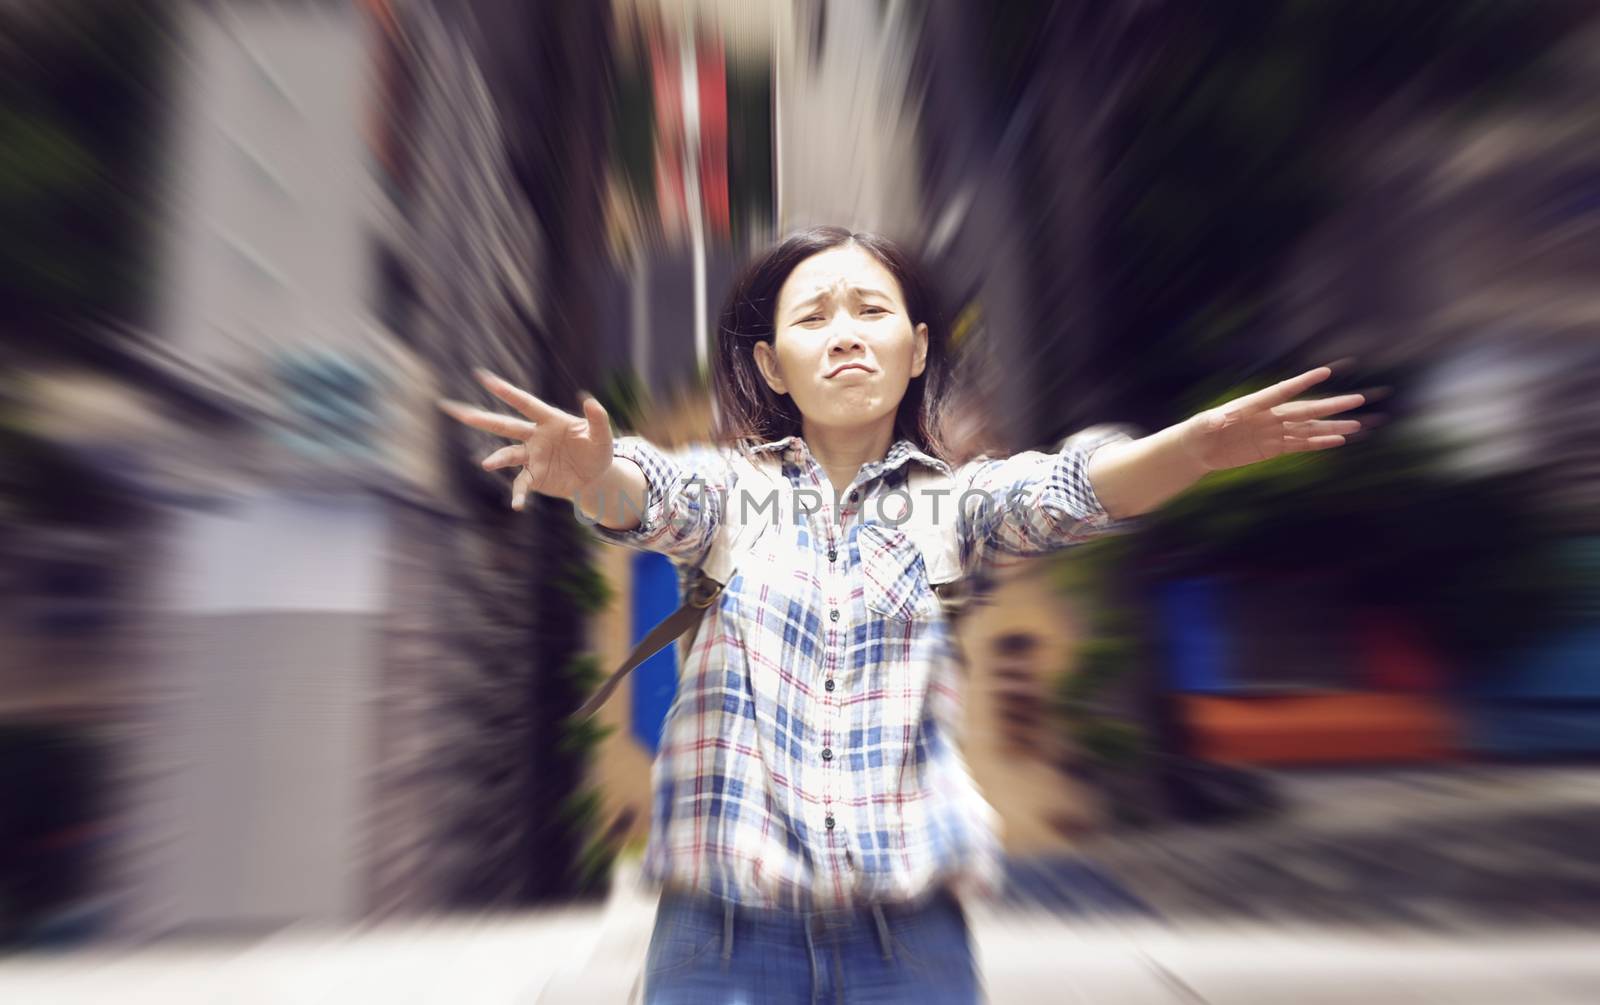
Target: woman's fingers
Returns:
[520, 487]
[489, 422]
[1323, 427]
[1318, 408]
[599, 421]
[513, 456]
[517, 398]
[1284, 390]
[1298, 444]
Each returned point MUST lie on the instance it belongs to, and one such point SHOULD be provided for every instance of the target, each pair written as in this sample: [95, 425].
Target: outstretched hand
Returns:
[1267, 423]
[559, 453]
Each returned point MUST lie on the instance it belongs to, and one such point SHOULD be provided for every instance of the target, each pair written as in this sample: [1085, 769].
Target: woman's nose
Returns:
[844, 340]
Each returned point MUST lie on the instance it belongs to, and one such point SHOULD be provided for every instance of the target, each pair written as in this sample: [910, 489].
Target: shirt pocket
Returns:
[894, 575]
[778, 597]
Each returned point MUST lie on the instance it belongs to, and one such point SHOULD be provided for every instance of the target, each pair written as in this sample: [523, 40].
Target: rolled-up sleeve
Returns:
[1034, 502]
[685, 491]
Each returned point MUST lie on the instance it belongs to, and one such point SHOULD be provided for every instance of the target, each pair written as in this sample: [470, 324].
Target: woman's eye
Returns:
[869, 309]
[814, 317]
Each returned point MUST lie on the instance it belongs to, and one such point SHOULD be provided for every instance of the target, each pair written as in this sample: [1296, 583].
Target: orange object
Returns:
[1324, 728]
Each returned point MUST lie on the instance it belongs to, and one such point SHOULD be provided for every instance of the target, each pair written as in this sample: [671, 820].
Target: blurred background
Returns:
[275, 651]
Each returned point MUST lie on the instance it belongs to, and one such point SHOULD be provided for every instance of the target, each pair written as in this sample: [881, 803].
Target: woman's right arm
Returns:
[629, 491]
[655, 499]
[617, 499]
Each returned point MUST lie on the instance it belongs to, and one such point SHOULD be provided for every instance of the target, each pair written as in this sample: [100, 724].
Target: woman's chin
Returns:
[848, 411]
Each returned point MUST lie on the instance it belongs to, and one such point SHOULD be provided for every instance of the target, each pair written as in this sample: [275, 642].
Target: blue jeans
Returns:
[706, 951]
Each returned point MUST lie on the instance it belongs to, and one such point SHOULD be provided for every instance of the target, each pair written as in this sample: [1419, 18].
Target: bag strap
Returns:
[954, 597]
[686, 618]
[685, 622]
[716, 569]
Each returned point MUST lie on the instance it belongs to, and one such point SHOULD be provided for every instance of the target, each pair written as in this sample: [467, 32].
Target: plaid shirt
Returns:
[809, 758]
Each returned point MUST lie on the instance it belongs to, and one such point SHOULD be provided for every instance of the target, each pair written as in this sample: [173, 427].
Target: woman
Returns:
[814, 822]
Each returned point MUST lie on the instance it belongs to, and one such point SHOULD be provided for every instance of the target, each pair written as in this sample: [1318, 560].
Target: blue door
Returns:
[655, 595]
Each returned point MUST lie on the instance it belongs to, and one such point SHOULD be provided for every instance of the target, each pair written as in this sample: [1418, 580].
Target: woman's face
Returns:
[843, 344]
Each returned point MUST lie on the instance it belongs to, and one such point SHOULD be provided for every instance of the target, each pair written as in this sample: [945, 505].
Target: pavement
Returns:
[1451, 885]
[594, 956]
[1464, 849]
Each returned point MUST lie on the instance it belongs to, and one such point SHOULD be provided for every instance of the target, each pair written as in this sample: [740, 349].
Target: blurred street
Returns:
[1469, 885]
[288, 683]
[594, 955]
[1469, 849]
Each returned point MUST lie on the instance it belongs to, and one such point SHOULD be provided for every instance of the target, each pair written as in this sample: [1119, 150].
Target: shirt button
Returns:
[828, 684]
[855, 496]
[833, 615]
[828, 822]
[827, 753]
[833, 555]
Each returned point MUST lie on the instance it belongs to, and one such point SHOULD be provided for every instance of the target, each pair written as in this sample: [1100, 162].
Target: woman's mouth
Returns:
[848, 368]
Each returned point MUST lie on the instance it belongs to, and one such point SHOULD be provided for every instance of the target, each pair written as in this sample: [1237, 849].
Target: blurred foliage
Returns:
[1091, 699]
[1112, 742]
[80, 130]
[585, 587]
[582, 812]
[587, 591]
[583, 672]
[1104, 734]
[582, 736]
[1233, 141]
[752, 208]
[625, 397]
[1480, 561]
[632, 125]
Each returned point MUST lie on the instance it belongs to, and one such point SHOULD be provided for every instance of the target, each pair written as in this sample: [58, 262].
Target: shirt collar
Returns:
[901, 451]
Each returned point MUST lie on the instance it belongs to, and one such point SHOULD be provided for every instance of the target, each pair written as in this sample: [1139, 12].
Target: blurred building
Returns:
[287, 680]
[494, 132]
[275, 567]
[848, 110]
[249, 426]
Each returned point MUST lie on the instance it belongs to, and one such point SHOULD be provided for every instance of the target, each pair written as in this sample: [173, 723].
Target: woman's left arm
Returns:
[1133, 477]
[1034, 502]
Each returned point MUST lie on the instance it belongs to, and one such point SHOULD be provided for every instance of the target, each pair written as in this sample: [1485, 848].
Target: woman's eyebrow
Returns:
[810, 303]
[820, 295]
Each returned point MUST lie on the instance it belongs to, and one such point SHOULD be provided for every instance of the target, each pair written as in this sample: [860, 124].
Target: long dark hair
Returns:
[751, 413]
